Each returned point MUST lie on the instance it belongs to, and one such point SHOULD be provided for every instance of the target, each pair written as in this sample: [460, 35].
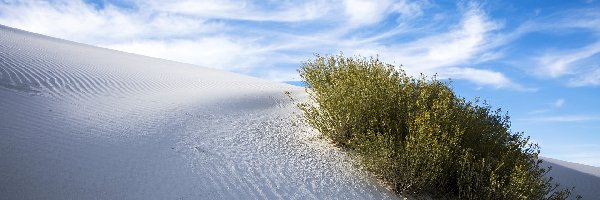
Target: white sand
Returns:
[81, 122]
[585, 179]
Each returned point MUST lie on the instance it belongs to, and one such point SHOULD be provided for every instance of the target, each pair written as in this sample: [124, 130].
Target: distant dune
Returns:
[585, 179]
[81, 122]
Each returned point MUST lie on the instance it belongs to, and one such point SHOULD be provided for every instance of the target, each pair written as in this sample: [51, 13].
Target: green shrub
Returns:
[418, 136]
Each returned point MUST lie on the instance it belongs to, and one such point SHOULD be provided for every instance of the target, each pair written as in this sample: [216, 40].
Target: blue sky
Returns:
[538, 60]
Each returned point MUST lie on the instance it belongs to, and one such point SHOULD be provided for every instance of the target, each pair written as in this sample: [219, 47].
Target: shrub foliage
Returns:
[416, 135]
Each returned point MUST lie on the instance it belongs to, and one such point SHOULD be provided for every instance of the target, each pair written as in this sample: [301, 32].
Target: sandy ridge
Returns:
[81, 122]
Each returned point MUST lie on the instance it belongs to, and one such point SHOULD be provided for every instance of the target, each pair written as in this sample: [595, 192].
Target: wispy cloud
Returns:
[558, 103]
[562, 63]
[216, 52]
[75, 20]
[563, 118]
[250, 35]
[448, 53]
[591, 78]
[366, 12]
[242, 10]
[193, 31]
[574, 62]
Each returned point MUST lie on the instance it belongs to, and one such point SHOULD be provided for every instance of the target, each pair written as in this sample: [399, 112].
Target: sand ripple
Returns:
[81, 122]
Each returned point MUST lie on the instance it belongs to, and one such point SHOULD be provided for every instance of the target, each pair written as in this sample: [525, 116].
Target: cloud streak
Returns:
[241, 10]
[591, 78]
[558, 64]
[194, 32]
[559, 103]
[274, 37]
[563, 118]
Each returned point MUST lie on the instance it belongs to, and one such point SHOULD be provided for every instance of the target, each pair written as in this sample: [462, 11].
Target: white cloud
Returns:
[559, 103]
[538, 111]
[77, 21]
[445, 53]
[367, 12]
[587, 79]
[199, 32]
[462, 44]
[563, 118]
[216, 52]
[558, 64]
[483, 77]
[451, 48]
[364, 12]
[243, 10]
[409, 9]
[73, 20]
[553, 63]
[548, 108]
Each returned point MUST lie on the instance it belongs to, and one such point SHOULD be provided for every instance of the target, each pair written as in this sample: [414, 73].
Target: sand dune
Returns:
[585, 179]
[81, 122]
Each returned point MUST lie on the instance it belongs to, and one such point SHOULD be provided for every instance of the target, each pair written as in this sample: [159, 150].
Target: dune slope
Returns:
[81, 122]
[585, 179]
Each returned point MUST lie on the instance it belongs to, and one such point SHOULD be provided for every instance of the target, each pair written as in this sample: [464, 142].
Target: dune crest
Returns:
[82, 122]
[585, 179]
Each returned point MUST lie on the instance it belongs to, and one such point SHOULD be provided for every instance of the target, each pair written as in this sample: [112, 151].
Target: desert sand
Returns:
[585, 179]
[83, 122]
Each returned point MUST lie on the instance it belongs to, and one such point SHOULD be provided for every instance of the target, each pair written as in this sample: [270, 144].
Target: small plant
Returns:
[418, 136]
